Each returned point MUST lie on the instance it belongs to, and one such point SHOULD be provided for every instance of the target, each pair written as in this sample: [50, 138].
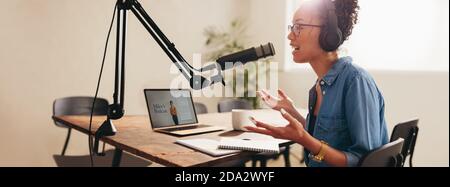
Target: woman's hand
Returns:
[293, 131]
[281, 102]
[276, 103]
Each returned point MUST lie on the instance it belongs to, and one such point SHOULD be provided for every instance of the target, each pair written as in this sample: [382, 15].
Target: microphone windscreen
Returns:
[265, 50]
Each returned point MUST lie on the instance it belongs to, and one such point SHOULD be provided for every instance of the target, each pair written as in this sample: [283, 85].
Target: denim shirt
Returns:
[351, 116]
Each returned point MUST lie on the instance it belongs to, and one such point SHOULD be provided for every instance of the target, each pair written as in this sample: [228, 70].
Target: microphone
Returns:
[198, 82]
[247, 55]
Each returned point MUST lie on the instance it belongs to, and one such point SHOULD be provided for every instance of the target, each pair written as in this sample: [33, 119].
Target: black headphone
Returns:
[330, 36]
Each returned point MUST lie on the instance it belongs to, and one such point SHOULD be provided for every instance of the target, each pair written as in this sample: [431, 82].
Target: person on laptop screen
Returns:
[173, 112]
[168, 108]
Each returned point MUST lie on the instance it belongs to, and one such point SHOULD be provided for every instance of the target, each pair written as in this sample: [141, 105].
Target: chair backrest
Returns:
[388, 155]
[200, 108]
[408, 131]
[229, 105]
[79, 106]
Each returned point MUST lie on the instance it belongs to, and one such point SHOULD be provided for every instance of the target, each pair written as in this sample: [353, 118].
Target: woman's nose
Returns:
[291, 36]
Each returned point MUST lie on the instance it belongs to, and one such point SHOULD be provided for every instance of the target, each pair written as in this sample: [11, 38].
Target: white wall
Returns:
[266, 24]
[421, 29]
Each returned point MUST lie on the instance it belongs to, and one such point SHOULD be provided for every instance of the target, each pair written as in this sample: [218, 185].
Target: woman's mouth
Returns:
[295, 49]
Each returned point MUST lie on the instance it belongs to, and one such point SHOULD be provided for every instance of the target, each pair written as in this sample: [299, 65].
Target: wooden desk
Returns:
[134, 135]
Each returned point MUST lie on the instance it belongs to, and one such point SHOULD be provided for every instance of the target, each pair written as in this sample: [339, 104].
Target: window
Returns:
[397, 35]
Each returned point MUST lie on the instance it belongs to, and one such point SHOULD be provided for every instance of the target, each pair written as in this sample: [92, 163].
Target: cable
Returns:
[98, 86]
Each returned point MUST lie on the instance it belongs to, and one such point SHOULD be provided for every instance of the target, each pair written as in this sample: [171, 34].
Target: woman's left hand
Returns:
[293, 131]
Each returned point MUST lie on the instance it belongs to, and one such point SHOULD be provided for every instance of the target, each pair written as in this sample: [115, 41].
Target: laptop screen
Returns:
[169, 108]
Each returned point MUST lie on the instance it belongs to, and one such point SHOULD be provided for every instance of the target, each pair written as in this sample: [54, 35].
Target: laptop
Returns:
[172, 111]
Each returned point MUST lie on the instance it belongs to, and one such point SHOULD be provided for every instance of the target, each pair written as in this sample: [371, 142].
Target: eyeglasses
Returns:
[298, 26]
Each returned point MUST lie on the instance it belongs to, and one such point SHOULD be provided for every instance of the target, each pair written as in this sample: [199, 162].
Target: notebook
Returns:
[207, 146]
[270, 146]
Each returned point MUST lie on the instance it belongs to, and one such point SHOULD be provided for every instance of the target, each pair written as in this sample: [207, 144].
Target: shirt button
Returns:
[323, 92]
[322, 83]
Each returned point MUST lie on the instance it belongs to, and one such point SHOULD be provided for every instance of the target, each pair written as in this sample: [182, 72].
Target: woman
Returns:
[346, 109]
[173, 113]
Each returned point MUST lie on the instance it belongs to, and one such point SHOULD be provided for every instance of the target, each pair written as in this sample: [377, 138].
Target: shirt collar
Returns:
[336, 70]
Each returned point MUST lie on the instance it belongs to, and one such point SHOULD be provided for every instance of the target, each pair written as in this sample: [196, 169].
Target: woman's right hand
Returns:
[277, 103]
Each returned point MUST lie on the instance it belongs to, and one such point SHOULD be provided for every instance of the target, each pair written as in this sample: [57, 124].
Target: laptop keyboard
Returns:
[186, 128]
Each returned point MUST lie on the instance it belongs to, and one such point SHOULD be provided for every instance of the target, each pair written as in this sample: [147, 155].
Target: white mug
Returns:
[240, 119]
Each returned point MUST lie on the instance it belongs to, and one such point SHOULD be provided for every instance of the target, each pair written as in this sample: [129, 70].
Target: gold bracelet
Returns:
[321, 155]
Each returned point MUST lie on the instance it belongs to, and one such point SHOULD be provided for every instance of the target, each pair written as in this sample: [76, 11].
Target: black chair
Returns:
[228, 106]
[82, 106]
[390, 155]
[77, 106]
[263, 157]
[200, 108]
[408, 131]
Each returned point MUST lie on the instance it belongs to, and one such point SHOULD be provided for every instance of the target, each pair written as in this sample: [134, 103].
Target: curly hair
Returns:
[347, 15]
